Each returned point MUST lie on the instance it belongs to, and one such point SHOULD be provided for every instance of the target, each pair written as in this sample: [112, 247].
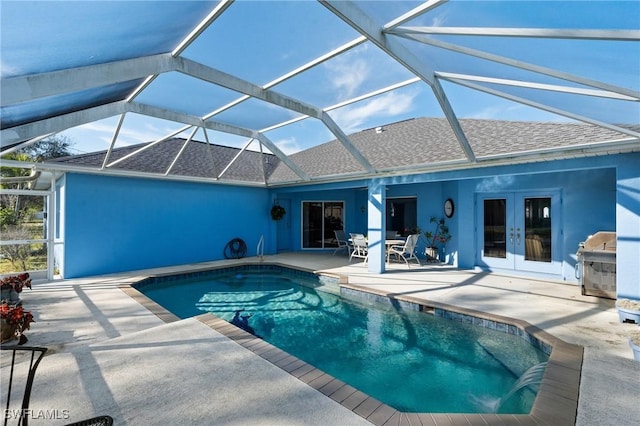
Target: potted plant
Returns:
[277, 212]
[437, 238]
[14, 321]
[634, 343]
[411, 230]
[628, 310]
[12, 287]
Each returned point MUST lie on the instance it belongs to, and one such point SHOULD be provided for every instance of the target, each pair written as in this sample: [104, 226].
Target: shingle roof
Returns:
[427, 141]
[197, 160]
[414, 142]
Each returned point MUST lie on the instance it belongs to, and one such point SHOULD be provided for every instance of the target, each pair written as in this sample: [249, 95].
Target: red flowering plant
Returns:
[411, 229]
[15, 321]
[440, 235]
[16, 282]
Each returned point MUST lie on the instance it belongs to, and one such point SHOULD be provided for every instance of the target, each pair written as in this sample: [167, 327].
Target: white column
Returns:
[628, 229]
[376, 225]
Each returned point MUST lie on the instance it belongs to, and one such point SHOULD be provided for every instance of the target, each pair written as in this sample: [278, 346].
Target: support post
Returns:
[376, 225]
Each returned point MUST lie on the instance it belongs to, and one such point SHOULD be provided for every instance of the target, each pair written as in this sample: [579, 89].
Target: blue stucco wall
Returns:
[587, 189]
[354, 218]
[117, 224]
[588, 205]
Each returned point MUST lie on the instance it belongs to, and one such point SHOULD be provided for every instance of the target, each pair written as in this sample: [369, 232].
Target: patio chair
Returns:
[405, 252]
[95, 421]
[343, 243]
[391, 235]
[19, 379]
[534, 249]
[360, 247]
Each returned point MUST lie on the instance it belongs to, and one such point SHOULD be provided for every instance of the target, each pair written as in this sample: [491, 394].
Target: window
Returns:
[401, 215]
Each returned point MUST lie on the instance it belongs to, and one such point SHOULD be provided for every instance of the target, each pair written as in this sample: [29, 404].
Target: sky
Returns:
[260, 41]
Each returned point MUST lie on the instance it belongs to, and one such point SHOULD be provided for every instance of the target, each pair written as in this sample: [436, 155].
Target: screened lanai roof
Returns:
[284, 77]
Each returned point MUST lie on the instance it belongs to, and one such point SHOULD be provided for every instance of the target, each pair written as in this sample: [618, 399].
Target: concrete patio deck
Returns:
[108, 354]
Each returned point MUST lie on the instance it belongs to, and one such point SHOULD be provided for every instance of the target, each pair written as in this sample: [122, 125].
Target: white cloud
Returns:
[348, 72]
[288, 145]
[138, 129]
[438, 21]
[7, 71]
[515, 111]
[488, 113]
[97, 136]
[351, 118]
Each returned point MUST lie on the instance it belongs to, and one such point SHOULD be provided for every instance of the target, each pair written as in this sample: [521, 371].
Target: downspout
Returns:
[35, 174]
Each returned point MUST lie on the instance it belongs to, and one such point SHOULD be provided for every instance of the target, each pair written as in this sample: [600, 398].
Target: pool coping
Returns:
[556, 402]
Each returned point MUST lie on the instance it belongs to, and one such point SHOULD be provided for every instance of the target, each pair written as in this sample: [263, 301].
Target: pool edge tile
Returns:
[557, 398]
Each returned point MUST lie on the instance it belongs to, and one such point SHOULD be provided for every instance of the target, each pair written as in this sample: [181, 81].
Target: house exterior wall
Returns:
[588, 200]
[354, 218]
[599, 193]
[115, 224]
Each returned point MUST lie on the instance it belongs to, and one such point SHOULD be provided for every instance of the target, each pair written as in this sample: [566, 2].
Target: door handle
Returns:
[511, 236]
[518, 236]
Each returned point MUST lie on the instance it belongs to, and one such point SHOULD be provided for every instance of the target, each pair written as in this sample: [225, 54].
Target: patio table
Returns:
[389, 243]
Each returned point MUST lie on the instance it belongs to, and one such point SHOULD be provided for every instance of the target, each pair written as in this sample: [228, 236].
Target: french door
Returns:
[520, 231]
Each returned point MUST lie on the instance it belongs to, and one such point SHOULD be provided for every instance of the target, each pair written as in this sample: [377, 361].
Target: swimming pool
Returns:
[412, 361]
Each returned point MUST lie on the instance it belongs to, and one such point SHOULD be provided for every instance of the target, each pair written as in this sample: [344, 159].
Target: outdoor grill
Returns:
[597, 258]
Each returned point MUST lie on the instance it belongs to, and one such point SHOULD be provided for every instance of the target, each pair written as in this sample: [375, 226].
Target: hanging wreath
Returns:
[277, 212]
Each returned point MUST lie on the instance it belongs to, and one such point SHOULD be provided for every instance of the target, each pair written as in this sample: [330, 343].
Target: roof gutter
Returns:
[619, 146]
[128, 173]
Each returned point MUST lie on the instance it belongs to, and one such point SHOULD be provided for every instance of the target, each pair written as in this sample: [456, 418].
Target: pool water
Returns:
[408, 359]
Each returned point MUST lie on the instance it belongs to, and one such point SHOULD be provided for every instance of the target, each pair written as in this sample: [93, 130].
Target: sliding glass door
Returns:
[319, 221]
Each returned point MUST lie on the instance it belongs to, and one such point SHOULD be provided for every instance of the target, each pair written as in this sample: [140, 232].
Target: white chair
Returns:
[343, 243]
[405, 252]
[391, 235]
[360, 247]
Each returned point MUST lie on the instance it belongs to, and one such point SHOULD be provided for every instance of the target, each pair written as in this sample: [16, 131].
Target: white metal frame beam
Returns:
[73, 119]
[540, 86]
[520, 64]
[25, 88]
[218, 126]
[415, 12]
[544, 107]
[350, 13]
[29, 87]
[348, 102]
[234, 83]
[617, 35]
[59, 123]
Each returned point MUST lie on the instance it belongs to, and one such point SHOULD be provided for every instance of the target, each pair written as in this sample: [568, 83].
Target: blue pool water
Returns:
[410, 360]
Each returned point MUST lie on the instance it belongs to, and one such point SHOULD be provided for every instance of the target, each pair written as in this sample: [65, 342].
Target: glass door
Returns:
[538, 233]
[319, 221]
[520, 231]
[496, 231]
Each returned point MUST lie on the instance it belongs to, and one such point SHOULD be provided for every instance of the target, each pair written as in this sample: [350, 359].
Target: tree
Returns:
[46, 149]
[11, 211]
[17, 254]
[6, 171]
